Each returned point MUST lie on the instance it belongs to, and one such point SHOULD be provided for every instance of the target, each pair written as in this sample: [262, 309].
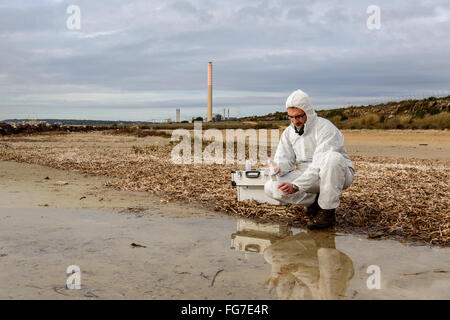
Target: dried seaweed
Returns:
[397, 198]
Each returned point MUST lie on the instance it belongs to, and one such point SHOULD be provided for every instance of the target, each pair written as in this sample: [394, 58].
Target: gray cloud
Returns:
[137, 48]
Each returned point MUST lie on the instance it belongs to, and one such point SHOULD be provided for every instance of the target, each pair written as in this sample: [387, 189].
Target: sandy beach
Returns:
[138, 153]
[92, 167]
[123, 238]
[409, 144]
[56, 188]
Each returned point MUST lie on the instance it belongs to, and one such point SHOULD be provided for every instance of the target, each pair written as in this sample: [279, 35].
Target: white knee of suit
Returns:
[334, 159]
[335, 176]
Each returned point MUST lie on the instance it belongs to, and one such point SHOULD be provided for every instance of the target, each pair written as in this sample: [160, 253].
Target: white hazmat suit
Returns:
[323, 164]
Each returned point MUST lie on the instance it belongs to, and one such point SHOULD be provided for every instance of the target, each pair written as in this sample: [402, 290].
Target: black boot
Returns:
[323, 219]
[312, 210]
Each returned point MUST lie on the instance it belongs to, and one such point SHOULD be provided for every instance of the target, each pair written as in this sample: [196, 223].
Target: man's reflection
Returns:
[308, 266]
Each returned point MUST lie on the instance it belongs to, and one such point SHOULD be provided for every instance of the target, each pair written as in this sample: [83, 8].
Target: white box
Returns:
[250, 185]
[256, 237]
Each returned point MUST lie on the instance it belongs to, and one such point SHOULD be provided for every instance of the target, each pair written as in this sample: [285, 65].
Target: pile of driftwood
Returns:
[397, 198]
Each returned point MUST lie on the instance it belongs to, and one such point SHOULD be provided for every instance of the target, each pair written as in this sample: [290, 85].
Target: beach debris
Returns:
[214, 278]
[3, 255]
[59, 290]
[135, 245]
[440, 271]
[403, 243]
[90, 294]
[419, 273]
[83, 197]
[32, 286]
[47, 178]
[181, 272]
[133, 209]
[398, 198]
[204, 275]
[414, 274]
[61, 183]
[375, 235]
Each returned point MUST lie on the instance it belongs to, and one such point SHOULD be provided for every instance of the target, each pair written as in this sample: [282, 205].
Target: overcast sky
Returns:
[140, 60]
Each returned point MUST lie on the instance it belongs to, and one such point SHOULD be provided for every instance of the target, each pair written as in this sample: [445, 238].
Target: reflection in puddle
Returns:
[306, 265]
[183, 257]
[256, 237]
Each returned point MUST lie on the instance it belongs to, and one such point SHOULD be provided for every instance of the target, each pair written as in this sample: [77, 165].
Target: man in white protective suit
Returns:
[324, 168]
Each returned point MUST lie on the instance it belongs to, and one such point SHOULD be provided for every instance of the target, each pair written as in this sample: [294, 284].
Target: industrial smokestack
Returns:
[178, 115]
[209, 113]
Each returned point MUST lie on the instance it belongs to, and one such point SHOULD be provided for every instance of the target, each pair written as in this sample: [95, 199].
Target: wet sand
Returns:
[24, 185]
[181, 258]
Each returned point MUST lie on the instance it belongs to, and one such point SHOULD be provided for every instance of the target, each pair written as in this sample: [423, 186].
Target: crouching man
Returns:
[324, 168]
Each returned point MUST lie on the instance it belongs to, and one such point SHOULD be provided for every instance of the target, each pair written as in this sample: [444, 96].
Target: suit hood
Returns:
[299, 99]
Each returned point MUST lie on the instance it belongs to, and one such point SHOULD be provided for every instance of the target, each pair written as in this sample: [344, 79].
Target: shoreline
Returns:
[95, 171]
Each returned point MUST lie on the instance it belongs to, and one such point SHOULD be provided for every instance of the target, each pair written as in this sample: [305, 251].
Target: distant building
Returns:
[217, 117]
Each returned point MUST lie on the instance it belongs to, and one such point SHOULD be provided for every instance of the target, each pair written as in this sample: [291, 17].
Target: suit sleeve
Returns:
[329, 139]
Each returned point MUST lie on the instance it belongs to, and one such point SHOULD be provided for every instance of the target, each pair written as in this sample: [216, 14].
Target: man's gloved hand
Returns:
[287, 188]
[274, 165]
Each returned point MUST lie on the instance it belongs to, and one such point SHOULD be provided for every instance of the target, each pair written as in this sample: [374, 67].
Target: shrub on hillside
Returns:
[436, 121]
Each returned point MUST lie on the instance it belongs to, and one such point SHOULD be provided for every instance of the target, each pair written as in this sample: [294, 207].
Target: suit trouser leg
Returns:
[334, 176]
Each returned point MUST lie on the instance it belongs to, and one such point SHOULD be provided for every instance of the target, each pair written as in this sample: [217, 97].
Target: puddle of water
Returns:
[182, 259]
